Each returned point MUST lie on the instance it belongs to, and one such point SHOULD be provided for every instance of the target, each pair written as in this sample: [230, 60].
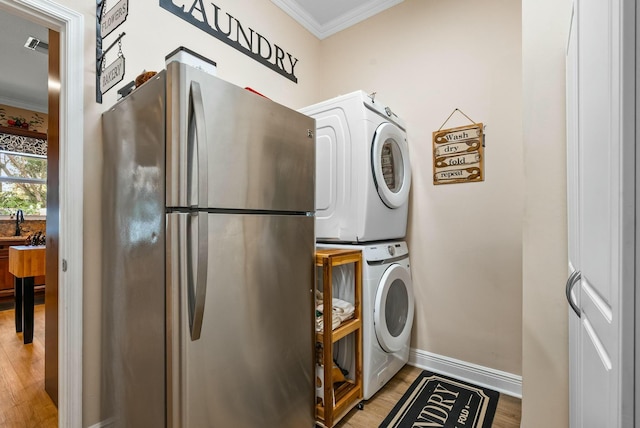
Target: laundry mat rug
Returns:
[439, 401]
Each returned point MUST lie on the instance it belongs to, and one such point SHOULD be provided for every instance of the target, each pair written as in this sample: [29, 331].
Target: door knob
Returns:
[573, 279]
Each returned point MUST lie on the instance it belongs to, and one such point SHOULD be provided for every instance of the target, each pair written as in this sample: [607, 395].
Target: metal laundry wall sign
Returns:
[211, 19]
[458, 155]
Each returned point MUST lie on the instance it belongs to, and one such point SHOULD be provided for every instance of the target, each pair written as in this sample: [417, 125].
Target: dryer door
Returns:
[393, 310]
[390, 165]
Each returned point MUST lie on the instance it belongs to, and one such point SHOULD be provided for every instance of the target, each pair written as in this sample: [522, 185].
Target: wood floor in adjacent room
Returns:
[23, 400]
[376, 409]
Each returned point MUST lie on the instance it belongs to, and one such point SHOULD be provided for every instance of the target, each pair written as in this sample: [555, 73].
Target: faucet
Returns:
[19, 219]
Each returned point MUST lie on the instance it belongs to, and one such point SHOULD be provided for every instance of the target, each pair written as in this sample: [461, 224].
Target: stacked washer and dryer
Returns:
[363, 177]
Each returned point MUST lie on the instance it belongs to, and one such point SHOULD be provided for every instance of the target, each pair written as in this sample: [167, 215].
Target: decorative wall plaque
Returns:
[114, 17]
[112, 74]
[458, 155]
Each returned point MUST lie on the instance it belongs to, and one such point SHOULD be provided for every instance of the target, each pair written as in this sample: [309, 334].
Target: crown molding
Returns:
[24, 104]
[322, 31]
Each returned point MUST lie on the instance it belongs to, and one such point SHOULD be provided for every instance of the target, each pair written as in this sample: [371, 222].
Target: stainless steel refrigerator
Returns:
[208, 257]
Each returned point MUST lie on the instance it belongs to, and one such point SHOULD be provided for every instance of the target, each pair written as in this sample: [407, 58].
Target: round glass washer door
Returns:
[393, 310]
[390, 165]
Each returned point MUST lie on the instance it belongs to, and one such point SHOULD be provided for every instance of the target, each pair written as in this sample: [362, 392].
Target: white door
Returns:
[601, 163]
[573, 225]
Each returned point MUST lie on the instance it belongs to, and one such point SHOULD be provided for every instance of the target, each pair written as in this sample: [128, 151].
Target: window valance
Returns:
[23, 141]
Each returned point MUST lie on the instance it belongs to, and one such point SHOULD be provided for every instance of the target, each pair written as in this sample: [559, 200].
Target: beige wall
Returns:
[152, 33]
[425, 58]
[544, 311]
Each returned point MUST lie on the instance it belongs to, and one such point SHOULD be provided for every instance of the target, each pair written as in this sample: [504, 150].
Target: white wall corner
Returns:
[503, 382]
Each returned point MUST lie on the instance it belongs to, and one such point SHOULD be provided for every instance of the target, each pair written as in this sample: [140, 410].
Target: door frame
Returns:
[70, 25]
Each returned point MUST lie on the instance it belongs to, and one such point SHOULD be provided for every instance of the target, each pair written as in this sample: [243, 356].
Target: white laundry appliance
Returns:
[363, 173]
[387, 311]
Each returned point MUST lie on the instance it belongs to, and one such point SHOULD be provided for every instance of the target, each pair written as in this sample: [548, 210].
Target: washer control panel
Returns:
[385, 250]
[381, 109]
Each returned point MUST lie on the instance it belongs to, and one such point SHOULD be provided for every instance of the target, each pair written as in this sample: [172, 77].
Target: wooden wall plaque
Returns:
[458, 154]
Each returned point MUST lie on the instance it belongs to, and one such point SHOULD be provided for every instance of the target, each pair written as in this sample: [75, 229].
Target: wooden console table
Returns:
[25, 263]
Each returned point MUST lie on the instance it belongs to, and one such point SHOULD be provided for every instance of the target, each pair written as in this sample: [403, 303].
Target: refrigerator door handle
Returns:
[197, 292]
[197, 124]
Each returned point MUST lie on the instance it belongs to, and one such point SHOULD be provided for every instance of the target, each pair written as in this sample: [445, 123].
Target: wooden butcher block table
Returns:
[25, 263]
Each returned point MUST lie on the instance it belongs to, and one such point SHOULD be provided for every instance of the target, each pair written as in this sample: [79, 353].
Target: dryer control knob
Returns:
[391, 250]
[388, 111]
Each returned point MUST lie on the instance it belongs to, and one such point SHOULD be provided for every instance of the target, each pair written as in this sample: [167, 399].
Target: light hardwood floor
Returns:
[376, 409]
[25, 404]
[23, 400]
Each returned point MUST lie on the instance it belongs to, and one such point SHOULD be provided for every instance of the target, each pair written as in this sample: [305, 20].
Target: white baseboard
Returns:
[503, 382]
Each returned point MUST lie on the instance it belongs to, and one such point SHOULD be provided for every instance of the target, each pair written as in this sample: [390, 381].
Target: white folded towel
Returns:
[335, 322]
[341, 311]
[343, 308]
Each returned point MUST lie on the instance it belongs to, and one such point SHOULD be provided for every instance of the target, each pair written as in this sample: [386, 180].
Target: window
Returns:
[23, 171]
[23, 183]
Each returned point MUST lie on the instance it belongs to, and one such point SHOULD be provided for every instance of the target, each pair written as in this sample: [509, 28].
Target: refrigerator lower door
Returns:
[252, 363]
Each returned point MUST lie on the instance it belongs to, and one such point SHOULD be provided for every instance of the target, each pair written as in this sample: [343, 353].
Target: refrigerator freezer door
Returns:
[133, 252]
[253, 362]
[261, 155]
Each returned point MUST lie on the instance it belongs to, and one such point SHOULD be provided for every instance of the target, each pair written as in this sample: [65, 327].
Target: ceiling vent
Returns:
[37, 45]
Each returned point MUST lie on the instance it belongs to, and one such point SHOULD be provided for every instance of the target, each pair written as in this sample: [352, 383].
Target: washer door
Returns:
[393, 310]
[390, 164]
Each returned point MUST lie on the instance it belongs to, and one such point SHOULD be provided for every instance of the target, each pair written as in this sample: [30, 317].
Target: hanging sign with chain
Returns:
[108, 76]
[458, 153]
[114, 17]
[114, 72]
